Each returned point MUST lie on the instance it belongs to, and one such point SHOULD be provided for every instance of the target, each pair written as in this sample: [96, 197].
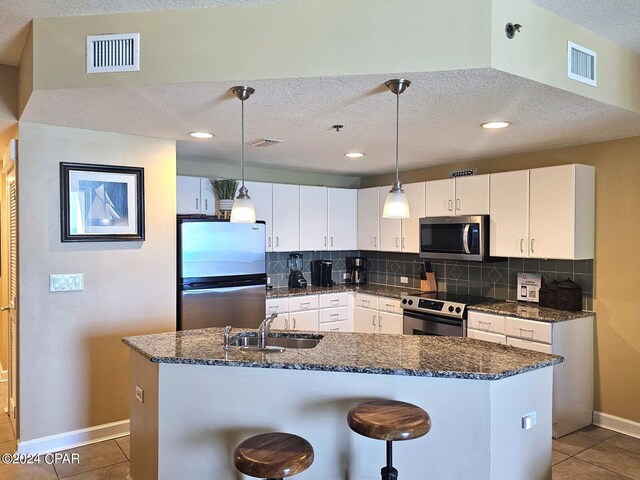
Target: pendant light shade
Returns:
[243, 211]
[396, 205]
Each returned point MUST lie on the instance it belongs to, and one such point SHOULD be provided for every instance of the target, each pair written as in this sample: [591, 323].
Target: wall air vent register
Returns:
[113, 53]
[581, 64]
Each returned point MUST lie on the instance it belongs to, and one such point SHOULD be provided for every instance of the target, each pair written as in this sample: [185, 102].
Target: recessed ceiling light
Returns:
[354, 155]
[495, 125]
[201, 134]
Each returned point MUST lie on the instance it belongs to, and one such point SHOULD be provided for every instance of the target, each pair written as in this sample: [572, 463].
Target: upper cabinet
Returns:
[368, 219]
[390, 228]
[194, 196]
[313, 218]
[342, 221]
[286, 217]
[262, 197]
[457, 196]
[544, 213]
[411, 226]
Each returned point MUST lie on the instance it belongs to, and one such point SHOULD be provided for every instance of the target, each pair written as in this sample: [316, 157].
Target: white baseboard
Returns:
[76, 438]
[617, 424]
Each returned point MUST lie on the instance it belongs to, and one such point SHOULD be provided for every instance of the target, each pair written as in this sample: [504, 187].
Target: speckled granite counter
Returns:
[379, 290]
[448, 357]
[530, 312]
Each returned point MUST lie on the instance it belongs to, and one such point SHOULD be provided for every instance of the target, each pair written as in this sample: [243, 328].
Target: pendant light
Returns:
[243, 211]
[396, 205]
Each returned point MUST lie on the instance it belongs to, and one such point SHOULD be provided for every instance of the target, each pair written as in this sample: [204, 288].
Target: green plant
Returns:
[224, 188]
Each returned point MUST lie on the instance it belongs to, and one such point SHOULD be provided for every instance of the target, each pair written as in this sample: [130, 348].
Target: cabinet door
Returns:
[313, 218]
[390, 323]
[390, 228]
[281, 322]
[207, 197]
[262, 196]
[368, 219]
[286, 217]
[304, 320]
[365, 320]
[509, 212]
[411, 226]
[342, 219]
[439, 196]
[472, 195]
[187, 195]
[486, 336]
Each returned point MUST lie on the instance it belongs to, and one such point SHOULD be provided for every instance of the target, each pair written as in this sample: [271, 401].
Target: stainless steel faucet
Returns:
[263, 330]
[228, 339]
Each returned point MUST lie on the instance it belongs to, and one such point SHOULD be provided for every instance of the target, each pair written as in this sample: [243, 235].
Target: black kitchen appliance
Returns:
[296, 278]
[321, 273]
[437, 314]
[357, 270]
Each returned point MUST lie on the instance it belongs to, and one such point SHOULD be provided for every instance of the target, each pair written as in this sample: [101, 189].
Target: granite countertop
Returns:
[411, 355]
[529, 311]
[379, 290]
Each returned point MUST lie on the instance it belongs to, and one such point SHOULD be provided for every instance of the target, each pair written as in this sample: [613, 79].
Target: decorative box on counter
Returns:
[564, 295]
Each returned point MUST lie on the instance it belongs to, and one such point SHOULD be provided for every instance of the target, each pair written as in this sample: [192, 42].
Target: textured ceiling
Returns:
[616, 20]
[440, 117]
[15, 15]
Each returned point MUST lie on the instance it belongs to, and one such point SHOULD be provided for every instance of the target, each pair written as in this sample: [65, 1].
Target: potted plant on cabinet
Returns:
[225, 190]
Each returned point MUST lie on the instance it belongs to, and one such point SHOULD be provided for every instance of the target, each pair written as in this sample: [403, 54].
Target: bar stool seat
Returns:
[273, 455]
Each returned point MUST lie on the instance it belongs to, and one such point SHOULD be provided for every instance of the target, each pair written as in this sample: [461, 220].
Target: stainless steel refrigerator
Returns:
[221, 273]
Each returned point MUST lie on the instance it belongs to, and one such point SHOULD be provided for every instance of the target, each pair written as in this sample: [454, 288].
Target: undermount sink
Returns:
[276, 343]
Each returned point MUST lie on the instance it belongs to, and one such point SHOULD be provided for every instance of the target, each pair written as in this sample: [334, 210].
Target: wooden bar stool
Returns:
[391, 421]
[273, 456]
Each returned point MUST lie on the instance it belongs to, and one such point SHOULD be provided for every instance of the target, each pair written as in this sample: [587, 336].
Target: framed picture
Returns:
[101, 203]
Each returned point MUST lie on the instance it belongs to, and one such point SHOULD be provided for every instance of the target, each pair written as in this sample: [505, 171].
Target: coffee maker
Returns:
[321, 273]
[296, 279]
[357, 270]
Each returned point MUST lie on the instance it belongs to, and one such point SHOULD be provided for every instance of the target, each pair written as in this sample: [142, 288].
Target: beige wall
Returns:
[25, 70]
[74, 370]
[617, 302]
[8, 103]
[202, 167]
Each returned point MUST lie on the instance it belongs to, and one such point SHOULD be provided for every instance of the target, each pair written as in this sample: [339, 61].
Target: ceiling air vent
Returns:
[113, 53]
[263, 142]
[581, 64]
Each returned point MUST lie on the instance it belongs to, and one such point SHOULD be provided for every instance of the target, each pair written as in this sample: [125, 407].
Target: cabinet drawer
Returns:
[486, 322]
[529, 345]
[528, 330]
[486, 336]
[300, 304]
[334, 314]
[366, 301]
[277, 305]
[332, 300]
[334, 327]
[391, 305]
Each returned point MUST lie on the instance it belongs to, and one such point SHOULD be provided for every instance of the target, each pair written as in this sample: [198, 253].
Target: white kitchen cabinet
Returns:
[543, 213]
[304, 320]
[365, 320]
[335, 327]
[572, 379]
[390, 228]
[330, 315]
[303, 302]
[188, 195]
[562, 212]
[286, 217]
[509, 214]
[277, 305]
[281, 322]
[313, 218]
[207, 198]
[262, 197]
[410, 242]
[368, 219]
[342, 221]
[389, 323]
[457, 196]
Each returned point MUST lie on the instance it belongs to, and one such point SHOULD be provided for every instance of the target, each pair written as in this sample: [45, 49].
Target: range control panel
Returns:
[440, 307]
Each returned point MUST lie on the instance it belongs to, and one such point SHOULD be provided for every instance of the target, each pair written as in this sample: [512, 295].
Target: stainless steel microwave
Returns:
[455, 238]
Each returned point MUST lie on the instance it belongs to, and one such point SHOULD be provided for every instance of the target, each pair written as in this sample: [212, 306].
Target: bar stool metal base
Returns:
[388, 472]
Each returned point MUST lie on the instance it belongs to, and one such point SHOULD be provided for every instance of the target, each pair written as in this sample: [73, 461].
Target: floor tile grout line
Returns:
[93, 469]
[603, 468]
[120, 446]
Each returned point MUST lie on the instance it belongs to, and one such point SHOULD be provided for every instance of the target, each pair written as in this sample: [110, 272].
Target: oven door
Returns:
[454, 238]
[415, 323]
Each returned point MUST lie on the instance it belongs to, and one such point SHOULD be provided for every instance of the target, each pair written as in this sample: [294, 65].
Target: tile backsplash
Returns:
[488, 279]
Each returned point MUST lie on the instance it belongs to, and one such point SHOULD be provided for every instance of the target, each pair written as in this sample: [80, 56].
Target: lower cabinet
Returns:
[572, 379]
[390, 323]
[365, 320]
[307, 320]
[383, 319]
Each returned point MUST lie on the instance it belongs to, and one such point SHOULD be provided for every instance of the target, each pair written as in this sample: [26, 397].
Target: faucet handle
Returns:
[227, 335]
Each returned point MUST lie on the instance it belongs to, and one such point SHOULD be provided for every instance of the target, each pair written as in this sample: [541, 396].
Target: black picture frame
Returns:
[101, 203]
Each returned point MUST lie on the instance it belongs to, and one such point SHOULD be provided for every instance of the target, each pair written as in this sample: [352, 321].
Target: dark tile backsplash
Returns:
[488, 279]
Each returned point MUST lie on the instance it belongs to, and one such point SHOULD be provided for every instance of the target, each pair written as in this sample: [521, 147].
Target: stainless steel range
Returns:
[438, 314]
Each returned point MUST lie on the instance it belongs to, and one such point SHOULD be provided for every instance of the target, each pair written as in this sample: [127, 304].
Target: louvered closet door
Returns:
[13, 295]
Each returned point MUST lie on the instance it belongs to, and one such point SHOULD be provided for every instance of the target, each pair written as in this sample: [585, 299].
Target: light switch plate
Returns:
[139, 394]
[66, 282]
[529, 420]
[404, 279]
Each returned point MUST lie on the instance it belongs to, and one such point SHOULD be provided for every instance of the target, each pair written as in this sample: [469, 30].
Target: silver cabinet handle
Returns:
[332, 241]
[306, 306]
[269, 238]
[273, 308]
[524, 330]
[368, 302]
[481, 323]
[390, 306]
[4, 309]
[286, 324]
[374, 320]
[277, 241]
[294, 322]
[335, 301]
[532, 245]
[403, 242]
[334, 315]
[458, 207]
[522, 245]
[450, 205]
[375, 241]
[396, 241]
[334, 329]
[325, 241]
[380, 321]
[206, 204]
[197, 204]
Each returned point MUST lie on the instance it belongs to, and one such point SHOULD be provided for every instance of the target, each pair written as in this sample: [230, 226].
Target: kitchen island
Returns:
[192, 402]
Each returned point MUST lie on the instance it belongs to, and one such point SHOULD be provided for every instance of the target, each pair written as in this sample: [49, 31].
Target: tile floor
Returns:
[592, 453]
